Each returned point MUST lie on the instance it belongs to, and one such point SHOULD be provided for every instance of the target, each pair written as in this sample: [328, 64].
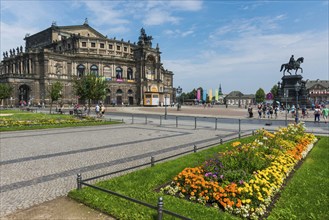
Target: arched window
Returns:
[118, 72]
[130, 74]
[107, 72]
[81, 70]
[94, 70]
[130, 92]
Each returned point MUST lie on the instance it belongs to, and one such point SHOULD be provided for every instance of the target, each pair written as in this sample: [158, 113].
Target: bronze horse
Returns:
[295, 66]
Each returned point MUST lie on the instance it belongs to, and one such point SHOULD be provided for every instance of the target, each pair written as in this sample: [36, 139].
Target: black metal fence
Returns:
[160, 205]
[216, 123]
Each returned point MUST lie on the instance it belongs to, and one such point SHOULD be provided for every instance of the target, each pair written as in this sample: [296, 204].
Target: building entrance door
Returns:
[131, 100]
[24, 93]
[119, 100]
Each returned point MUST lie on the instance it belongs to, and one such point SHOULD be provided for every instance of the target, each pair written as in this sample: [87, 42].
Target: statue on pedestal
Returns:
[292, 65]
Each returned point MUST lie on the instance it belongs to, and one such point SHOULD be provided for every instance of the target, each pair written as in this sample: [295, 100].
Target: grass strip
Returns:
[17, 115]
[306, 195]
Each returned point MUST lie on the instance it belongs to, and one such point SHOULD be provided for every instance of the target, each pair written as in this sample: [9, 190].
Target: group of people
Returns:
[100, 110]
[267, 111]
[321, 110]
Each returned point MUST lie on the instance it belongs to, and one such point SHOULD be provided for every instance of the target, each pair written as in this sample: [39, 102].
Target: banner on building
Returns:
[210, 95]
[198, 94]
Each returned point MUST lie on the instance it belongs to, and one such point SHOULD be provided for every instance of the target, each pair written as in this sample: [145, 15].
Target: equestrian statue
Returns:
[292, 65]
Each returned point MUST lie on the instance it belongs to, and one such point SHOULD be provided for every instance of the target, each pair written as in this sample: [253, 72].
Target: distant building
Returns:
[134, 72]
[238, 98]
[318, 91]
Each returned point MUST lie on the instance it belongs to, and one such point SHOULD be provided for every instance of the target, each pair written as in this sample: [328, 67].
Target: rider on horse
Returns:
[292, 61]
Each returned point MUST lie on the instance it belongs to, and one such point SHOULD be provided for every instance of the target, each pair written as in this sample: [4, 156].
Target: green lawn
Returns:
[305, 197]
[42, 121]
[307, 194]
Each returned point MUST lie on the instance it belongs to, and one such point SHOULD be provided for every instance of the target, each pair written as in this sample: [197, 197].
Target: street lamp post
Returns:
[165, 102]
[179, 91]
[297, 88]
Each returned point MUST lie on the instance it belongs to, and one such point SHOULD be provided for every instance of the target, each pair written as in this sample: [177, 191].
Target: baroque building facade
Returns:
[134, 72]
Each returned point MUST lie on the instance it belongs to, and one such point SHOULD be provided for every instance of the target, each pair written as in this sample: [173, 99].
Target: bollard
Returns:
[132, 119]
[215, 123]
[253, 133]
[239, 128]
[79, 178]
[176, 121]
[160, 208]
[152, 161]
[122, 120]
[195, 148]
[221, 141]
[195, 123]
[146, 119]
[160, 120]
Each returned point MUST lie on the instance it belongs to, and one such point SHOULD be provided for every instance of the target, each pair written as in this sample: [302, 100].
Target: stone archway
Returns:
[24, 93]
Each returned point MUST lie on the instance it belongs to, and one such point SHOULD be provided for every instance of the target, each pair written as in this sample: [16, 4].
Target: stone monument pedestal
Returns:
[287, 91]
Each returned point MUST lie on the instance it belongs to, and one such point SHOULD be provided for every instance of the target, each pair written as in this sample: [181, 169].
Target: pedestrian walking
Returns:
[97, 109]
[102, 110]
[259, 113]
[317, 113]
[325, 113]
[251, 114]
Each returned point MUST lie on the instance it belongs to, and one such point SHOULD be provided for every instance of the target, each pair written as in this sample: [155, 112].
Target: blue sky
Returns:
[238, 44]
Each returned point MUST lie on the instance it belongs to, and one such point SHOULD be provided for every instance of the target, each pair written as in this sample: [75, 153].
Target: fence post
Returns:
[146, 119]
[160, 208]
[176, 121]
[215, 123]
[239, 128]
[221, 141]
[194, 122]
[160, 120]
[132, 118]
[152, 161]
[195, 148]
[79, 178]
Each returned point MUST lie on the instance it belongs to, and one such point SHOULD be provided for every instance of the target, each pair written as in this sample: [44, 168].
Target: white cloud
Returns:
[178, 33]
[186, 5]
[107, 12]
[251, 59]
[158, 17]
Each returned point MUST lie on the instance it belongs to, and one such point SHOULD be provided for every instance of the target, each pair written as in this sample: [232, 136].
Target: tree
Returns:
[90, 87]
[274, 92]
[55, 92]
[5, 91]
[260, 95]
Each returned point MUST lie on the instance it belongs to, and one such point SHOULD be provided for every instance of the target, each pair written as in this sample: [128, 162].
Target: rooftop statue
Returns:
[292, 65]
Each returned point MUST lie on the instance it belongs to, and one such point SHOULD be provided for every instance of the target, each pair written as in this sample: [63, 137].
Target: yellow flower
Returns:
[235, 144]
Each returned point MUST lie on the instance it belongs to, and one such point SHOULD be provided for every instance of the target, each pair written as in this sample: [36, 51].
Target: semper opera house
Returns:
[133, 72]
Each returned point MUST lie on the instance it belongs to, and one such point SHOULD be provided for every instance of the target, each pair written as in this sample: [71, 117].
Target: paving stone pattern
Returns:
[41, 165]
[38, 166]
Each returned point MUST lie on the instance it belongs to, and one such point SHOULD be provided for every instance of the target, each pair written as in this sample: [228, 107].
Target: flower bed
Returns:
[244, 179]
[19, 123]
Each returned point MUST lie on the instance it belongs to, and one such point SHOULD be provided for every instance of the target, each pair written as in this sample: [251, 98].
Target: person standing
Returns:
[97, 109]
[325, 113]
[102, 110]
[317, 113]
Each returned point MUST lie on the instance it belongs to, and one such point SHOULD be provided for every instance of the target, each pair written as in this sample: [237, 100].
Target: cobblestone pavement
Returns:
[41, 165]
